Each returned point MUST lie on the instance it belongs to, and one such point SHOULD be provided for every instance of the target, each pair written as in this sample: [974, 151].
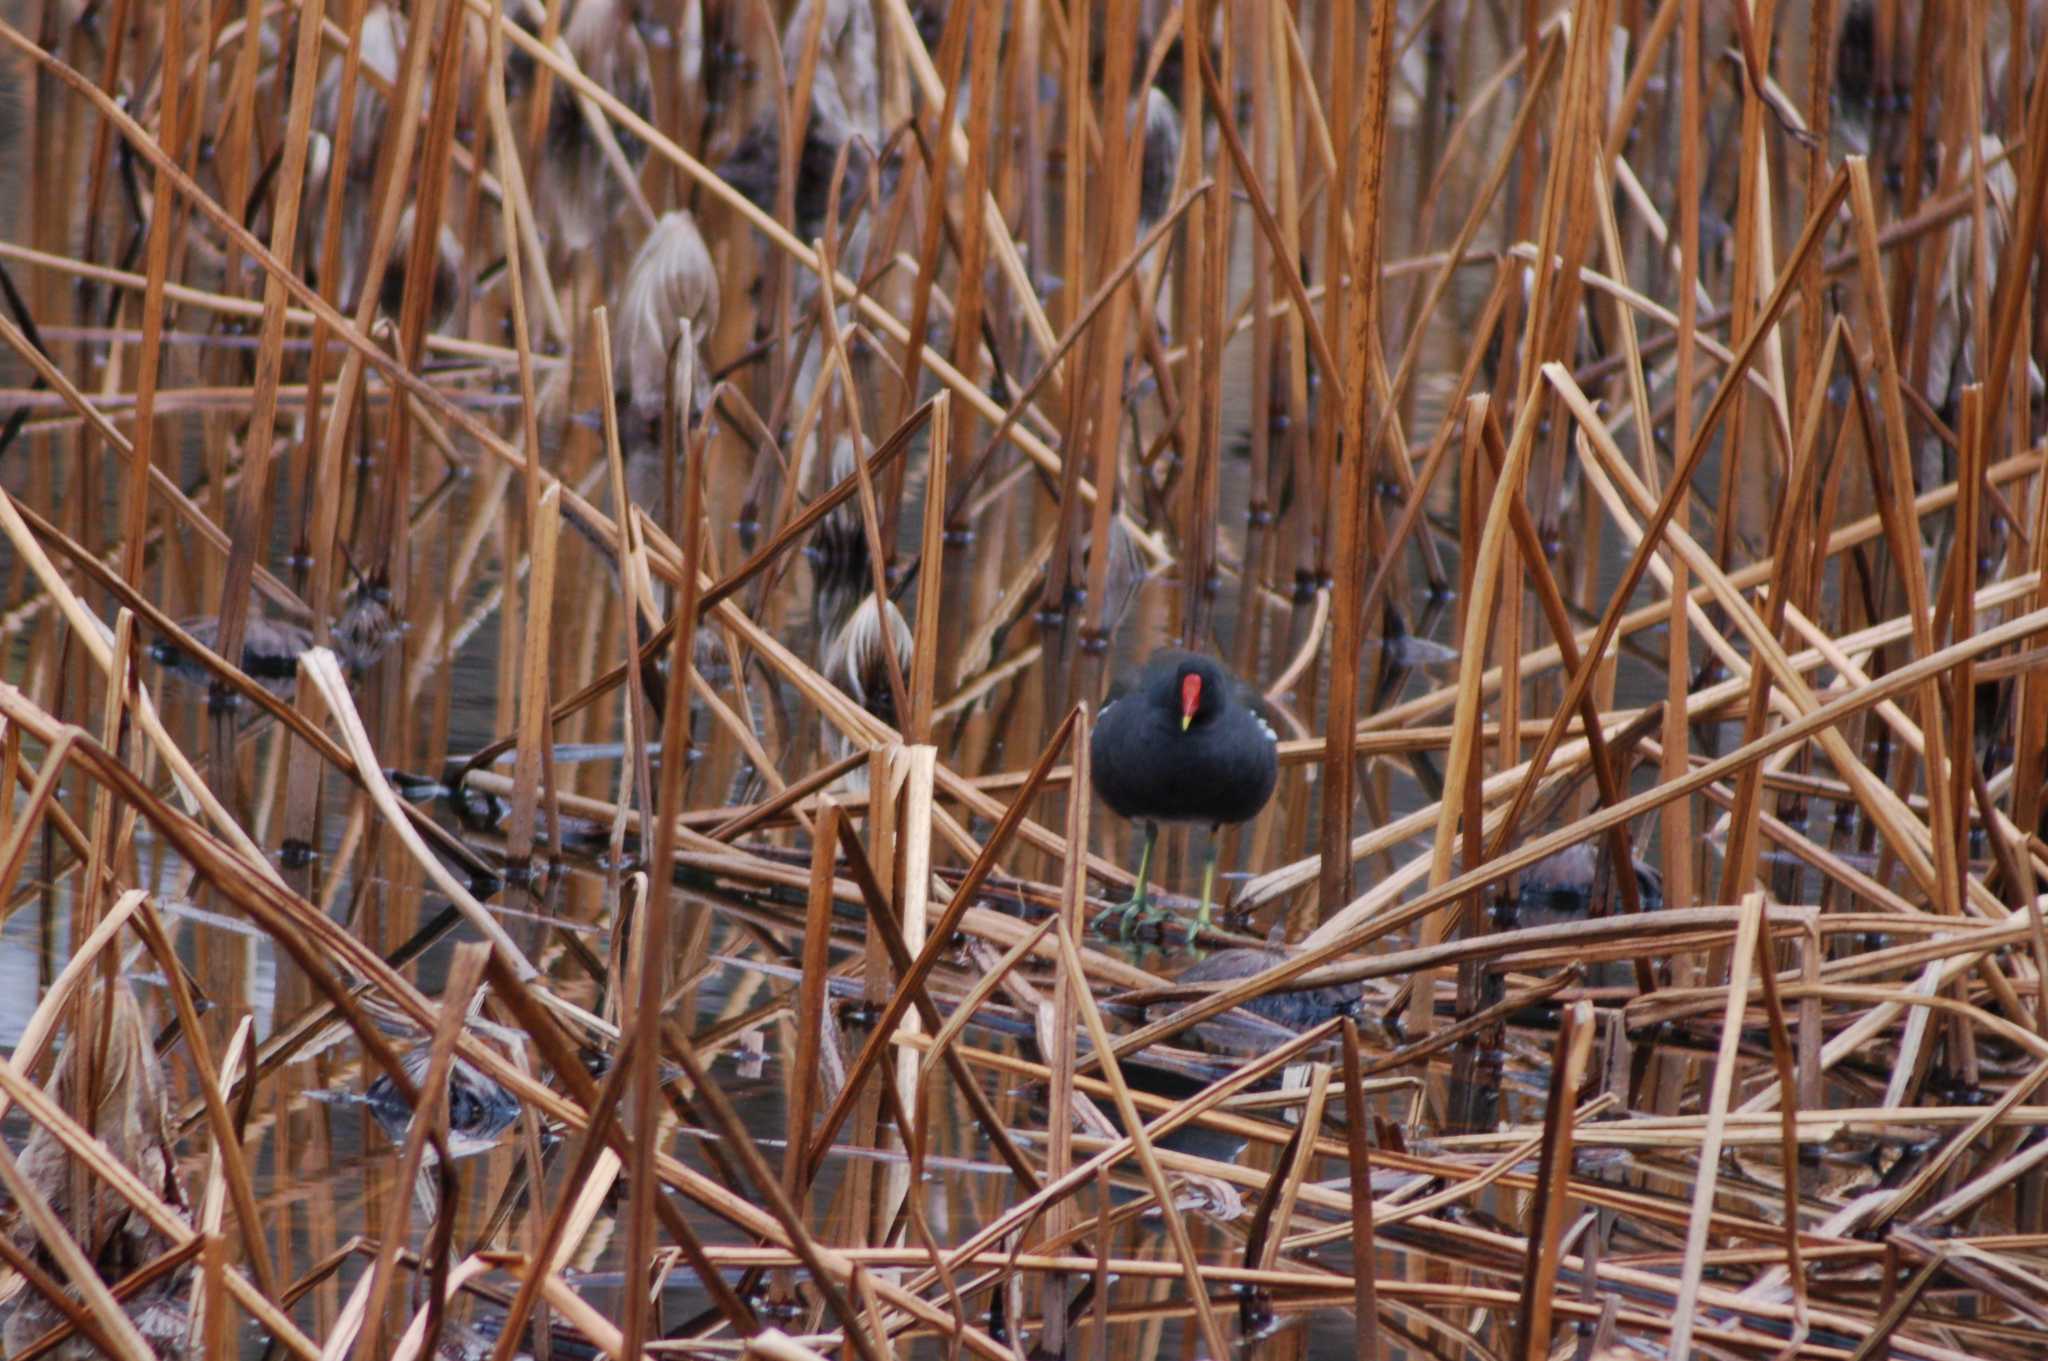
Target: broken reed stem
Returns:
[1547, 1215]
[535, 655]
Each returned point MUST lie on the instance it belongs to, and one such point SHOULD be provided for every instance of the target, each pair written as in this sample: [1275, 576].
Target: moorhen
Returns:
[1181, 742]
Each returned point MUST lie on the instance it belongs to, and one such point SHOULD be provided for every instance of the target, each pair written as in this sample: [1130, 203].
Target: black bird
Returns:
[1181, 742]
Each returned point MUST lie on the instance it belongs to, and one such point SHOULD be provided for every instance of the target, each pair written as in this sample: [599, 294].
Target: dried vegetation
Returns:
[1609, 433]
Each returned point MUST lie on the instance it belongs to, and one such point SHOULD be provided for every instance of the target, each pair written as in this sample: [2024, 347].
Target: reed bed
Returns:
[561, 558]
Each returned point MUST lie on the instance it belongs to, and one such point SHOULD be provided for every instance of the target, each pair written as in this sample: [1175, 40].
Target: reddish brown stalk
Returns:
[1361, 343]
[1365, 1270]
[1547, 1215]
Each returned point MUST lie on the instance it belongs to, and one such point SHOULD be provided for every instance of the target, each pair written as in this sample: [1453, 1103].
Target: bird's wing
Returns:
[1255, 703]
[1121, 685]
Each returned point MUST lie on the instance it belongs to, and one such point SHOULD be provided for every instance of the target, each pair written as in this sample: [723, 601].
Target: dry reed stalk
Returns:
[972, 252]
[1264, 96]
[428, 1126]
[840, 286]
[1303, 305]
[888, 937]
[321, 668]
[93, 417]
[255, 484]
[226, 1142]
[136, 518]
[191, 788]
[533, 674]
[1141, 1143]
[912, 908]
[1740, 862]
[1023, 294]
[1361, 343]
[1484, 567]
[952, 53]
[123, 1182]
[1815, 722]
[1903, 832]
[2033, 700]
[1574, 1044]
[1675, 824]
[1667, 508]
[1100, 431]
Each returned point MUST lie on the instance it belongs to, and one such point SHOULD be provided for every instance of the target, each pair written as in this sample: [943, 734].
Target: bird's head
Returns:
[1198, 692]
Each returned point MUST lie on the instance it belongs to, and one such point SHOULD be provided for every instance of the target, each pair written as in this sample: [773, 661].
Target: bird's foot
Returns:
[1131, 917]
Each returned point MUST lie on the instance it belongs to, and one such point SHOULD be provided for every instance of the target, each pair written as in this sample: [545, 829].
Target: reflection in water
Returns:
[478, 1109]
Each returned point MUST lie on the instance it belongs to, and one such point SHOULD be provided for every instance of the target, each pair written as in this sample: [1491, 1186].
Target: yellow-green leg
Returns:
[1139, 906]
[1201, 922]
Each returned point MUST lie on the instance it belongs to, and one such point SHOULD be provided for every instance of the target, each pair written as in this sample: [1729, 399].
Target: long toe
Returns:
[1143, 917]
[1126, 915]
[1158, 915]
